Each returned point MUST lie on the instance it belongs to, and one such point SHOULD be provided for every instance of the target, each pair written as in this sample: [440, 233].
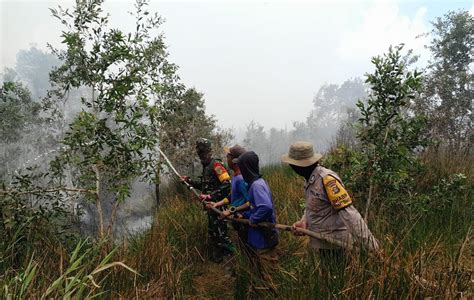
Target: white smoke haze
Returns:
[273, 71]
[253, 60]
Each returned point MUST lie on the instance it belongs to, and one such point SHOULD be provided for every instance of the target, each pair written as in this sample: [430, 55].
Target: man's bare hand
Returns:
[225, 214]
[301, 224]
[186, 179]
[205, 197]
[210, 204]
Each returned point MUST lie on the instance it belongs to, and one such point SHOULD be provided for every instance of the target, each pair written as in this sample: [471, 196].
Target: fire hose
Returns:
[265, 225]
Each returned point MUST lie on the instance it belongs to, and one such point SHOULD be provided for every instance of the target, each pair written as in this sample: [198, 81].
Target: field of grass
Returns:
[425, 254]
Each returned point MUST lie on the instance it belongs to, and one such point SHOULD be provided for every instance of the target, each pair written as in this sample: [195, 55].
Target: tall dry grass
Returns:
[424, 256]
[428, 257]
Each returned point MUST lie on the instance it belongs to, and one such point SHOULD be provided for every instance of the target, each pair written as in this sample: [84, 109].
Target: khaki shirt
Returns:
[332, 214]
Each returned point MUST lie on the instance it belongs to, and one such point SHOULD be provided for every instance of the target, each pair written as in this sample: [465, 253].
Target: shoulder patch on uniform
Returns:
[337, 194]
[218, 168]
[221, 172]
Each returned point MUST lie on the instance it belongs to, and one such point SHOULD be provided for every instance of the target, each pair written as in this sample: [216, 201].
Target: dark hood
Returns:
[248, 164]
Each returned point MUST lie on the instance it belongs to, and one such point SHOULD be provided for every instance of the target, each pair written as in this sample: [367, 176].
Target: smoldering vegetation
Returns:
[33, 130]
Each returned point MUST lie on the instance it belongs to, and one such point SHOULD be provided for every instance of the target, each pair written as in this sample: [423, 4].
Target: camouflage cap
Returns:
[203, 145]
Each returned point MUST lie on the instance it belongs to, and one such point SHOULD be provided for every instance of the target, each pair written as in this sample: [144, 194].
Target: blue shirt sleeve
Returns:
[243, 187]
[263, 205]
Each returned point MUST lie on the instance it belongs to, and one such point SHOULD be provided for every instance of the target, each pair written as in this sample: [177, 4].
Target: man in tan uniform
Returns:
[328, 208]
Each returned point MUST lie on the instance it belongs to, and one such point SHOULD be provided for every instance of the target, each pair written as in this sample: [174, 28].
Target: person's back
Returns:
[262, 241]
[329, 209]
[261, 203]
[261, 210]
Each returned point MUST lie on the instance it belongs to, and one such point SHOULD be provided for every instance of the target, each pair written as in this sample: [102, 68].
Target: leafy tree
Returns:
[330, 107]
[388, 134]
[33, 67]
[277, 144]
[18, 112]
[301, 131]
[346, 135]
[182, 122]
[270, 144]
[129, 79]
[19, 117]
[256, 140]
[27, 224]
[448, 87]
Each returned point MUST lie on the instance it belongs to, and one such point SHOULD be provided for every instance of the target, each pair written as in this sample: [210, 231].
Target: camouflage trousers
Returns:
[220, 243]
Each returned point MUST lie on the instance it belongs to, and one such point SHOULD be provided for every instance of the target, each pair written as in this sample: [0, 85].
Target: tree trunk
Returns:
[157, 183]
[98, 202]
[157, 194]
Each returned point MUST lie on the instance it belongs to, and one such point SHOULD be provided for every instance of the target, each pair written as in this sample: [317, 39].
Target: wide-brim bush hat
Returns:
[301, 154]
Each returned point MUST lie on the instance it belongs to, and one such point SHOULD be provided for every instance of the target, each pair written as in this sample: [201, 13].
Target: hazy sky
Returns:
[253, 60]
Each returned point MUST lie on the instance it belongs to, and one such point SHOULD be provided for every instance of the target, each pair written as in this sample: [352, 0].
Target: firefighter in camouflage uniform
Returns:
[215, 186]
